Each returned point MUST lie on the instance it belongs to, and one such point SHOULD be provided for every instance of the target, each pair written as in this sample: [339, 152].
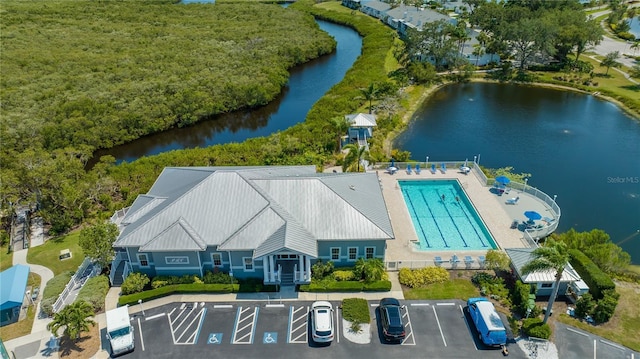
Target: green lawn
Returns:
[47, 254]
[22, 327]
[624, 326]
[6, 258]
[453, 289]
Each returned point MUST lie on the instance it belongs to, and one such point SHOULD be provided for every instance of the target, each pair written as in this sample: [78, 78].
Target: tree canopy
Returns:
[97, 242]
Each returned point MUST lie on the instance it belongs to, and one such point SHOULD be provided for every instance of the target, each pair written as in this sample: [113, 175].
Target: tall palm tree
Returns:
[340, 126]
[554, 256]
[75, 318]
[370, 93]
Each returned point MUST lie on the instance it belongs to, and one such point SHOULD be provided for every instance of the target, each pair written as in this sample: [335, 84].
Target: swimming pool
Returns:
[449, 224]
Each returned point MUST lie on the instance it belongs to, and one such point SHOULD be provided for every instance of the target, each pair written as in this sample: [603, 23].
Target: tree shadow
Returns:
[635, 88]
[68, 345]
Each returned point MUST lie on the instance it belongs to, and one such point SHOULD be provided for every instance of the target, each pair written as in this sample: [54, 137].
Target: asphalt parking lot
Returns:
[574, 343]
[262, 330]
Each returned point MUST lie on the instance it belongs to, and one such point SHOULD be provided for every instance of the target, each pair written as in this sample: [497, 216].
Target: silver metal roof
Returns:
[521, 256]
[264, 209]
[361, 120]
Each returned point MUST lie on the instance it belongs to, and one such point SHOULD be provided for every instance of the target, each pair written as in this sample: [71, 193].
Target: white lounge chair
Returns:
[512, 200]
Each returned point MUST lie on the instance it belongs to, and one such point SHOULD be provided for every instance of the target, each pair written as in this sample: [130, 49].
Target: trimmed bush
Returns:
[356, 310]
[94, 291]
[254, 285]
[134, 283]
[585, 306]
[414, 278]
[534, 327]
[320, 269]
[352, 286]
[343, 275]
[176, 289]
[606, 306]
[597, 280]
[218, 277]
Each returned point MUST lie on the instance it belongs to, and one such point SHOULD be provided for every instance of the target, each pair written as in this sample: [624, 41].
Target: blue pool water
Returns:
[452, 224]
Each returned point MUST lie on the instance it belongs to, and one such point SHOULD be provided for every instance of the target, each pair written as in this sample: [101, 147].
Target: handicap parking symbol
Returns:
[270, 338]
[215, 338]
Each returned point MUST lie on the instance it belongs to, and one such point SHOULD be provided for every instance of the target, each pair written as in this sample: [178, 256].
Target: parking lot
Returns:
[574, 343]
[262, 330]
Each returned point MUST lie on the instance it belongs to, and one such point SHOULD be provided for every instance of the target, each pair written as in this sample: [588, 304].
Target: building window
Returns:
[546, 285]
[217, 259]
[248, 264]
[143, 260]
[369, 252]
[353, 253]
[335, 254]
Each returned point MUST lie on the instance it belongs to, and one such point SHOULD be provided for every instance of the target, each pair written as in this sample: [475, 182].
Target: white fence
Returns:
[448, 263]
[78, 278]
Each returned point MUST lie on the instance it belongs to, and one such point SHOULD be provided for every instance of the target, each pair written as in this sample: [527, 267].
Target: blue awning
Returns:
[13, 283]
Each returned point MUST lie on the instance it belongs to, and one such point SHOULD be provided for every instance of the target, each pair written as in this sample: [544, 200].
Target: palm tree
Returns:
[370, 93]
[340, 126]
[370, 270]
[75, 318]
[611, 60]
[354, 156]
[552, 256]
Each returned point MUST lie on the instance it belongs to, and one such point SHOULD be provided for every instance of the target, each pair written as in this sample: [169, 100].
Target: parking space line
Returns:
[337, 324]
[439, 327]
[410, 335]
[594, 349]
[275, 305]
[220, 306]
[611, 344]
[468, 326]
[251, 324]
[419, 304]
[186, 325]
[140, 330]
[577, 332]
[374, 304]
[155, 316]
[445, 303]
[200, 316]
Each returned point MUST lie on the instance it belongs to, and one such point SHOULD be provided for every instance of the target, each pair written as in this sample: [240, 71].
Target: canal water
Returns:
[307, 84]
[578, 147]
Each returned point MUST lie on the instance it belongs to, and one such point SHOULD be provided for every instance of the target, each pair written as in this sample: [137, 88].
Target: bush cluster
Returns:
[134, 283]
[597, 280]
[208, 278]
[320, 270]
[414, 278]
[347, 286]
[492, 286]
[175, 289]
[344, 275]
[534, 327]
[94, 291]
[356, 310]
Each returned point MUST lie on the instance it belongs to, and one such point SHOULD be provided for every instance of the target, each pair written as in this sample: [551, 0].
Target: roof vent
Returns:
[352, 187]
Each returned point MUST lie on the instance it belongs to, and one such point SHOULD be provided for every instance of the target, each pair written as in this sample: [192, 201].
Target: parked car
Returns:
[322, 322]
[391, 319]
[35, 293]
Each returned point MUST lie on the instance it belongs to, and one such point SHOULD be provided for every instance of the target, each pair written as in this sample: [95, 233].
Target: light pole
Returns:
[141, 307]
[525, 185]
[554, 198]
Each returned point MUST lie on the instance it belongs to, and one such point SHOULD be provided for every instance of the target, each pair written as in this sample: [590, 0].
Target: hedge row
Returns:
[597, 280]
[94, 291]
[352, 286]
[176, 289]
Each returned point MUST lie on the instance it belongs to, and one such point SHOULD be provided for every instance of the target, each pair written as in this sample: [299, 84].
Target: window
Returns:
[353, 253]
[335, 254]
[217, 259]
[547, 285]
[248, 263]
[143, 260]
[369, 252]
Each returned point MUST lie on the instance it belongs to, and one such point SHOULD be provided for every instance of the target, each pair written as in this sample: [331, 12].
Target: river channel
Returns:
[307, 84]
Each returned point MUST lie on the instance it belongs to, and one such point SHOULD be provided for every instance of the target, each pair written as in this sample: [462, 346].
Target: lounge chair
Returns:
[512, 200]
[433, 168]
[418, 169]
[408, 169]
[481, 261]
[443, 168]
[468, 261]
[438, 260]
[454, 261]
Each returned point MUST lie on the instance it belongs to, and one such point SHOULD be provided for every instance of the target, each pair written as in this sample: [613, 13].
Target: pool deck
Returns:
[496, 214]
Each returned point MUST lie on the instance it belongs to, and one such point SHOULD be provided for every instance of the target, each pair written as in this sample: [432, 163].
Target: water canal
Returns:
[578, 147]
[306, 85]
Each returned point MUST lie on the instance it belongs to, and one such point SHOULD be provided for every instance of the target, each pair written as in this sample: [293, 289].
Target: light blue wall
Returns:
[324, 250]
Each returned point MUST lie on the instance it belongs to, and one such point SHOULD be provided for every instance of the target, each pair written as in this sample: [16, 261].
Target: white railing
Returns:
[77, 278]
[118, 215]
[447, 263]
[120, 256]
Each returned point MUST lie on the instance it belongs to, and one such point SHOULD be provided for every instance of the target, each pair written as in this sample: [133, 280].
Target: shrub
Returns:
[320, 270]
[520, 297]
[94, 291]
[175, 289]
[134, 283]
[218, 277]
[480, 277]
[585, 306]
[369, 270]
[534, 327]
[254, 285]
[347, 286]
[356, 310]
[606, 306]
[343, 275]
[597, 280]
[414, 278]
